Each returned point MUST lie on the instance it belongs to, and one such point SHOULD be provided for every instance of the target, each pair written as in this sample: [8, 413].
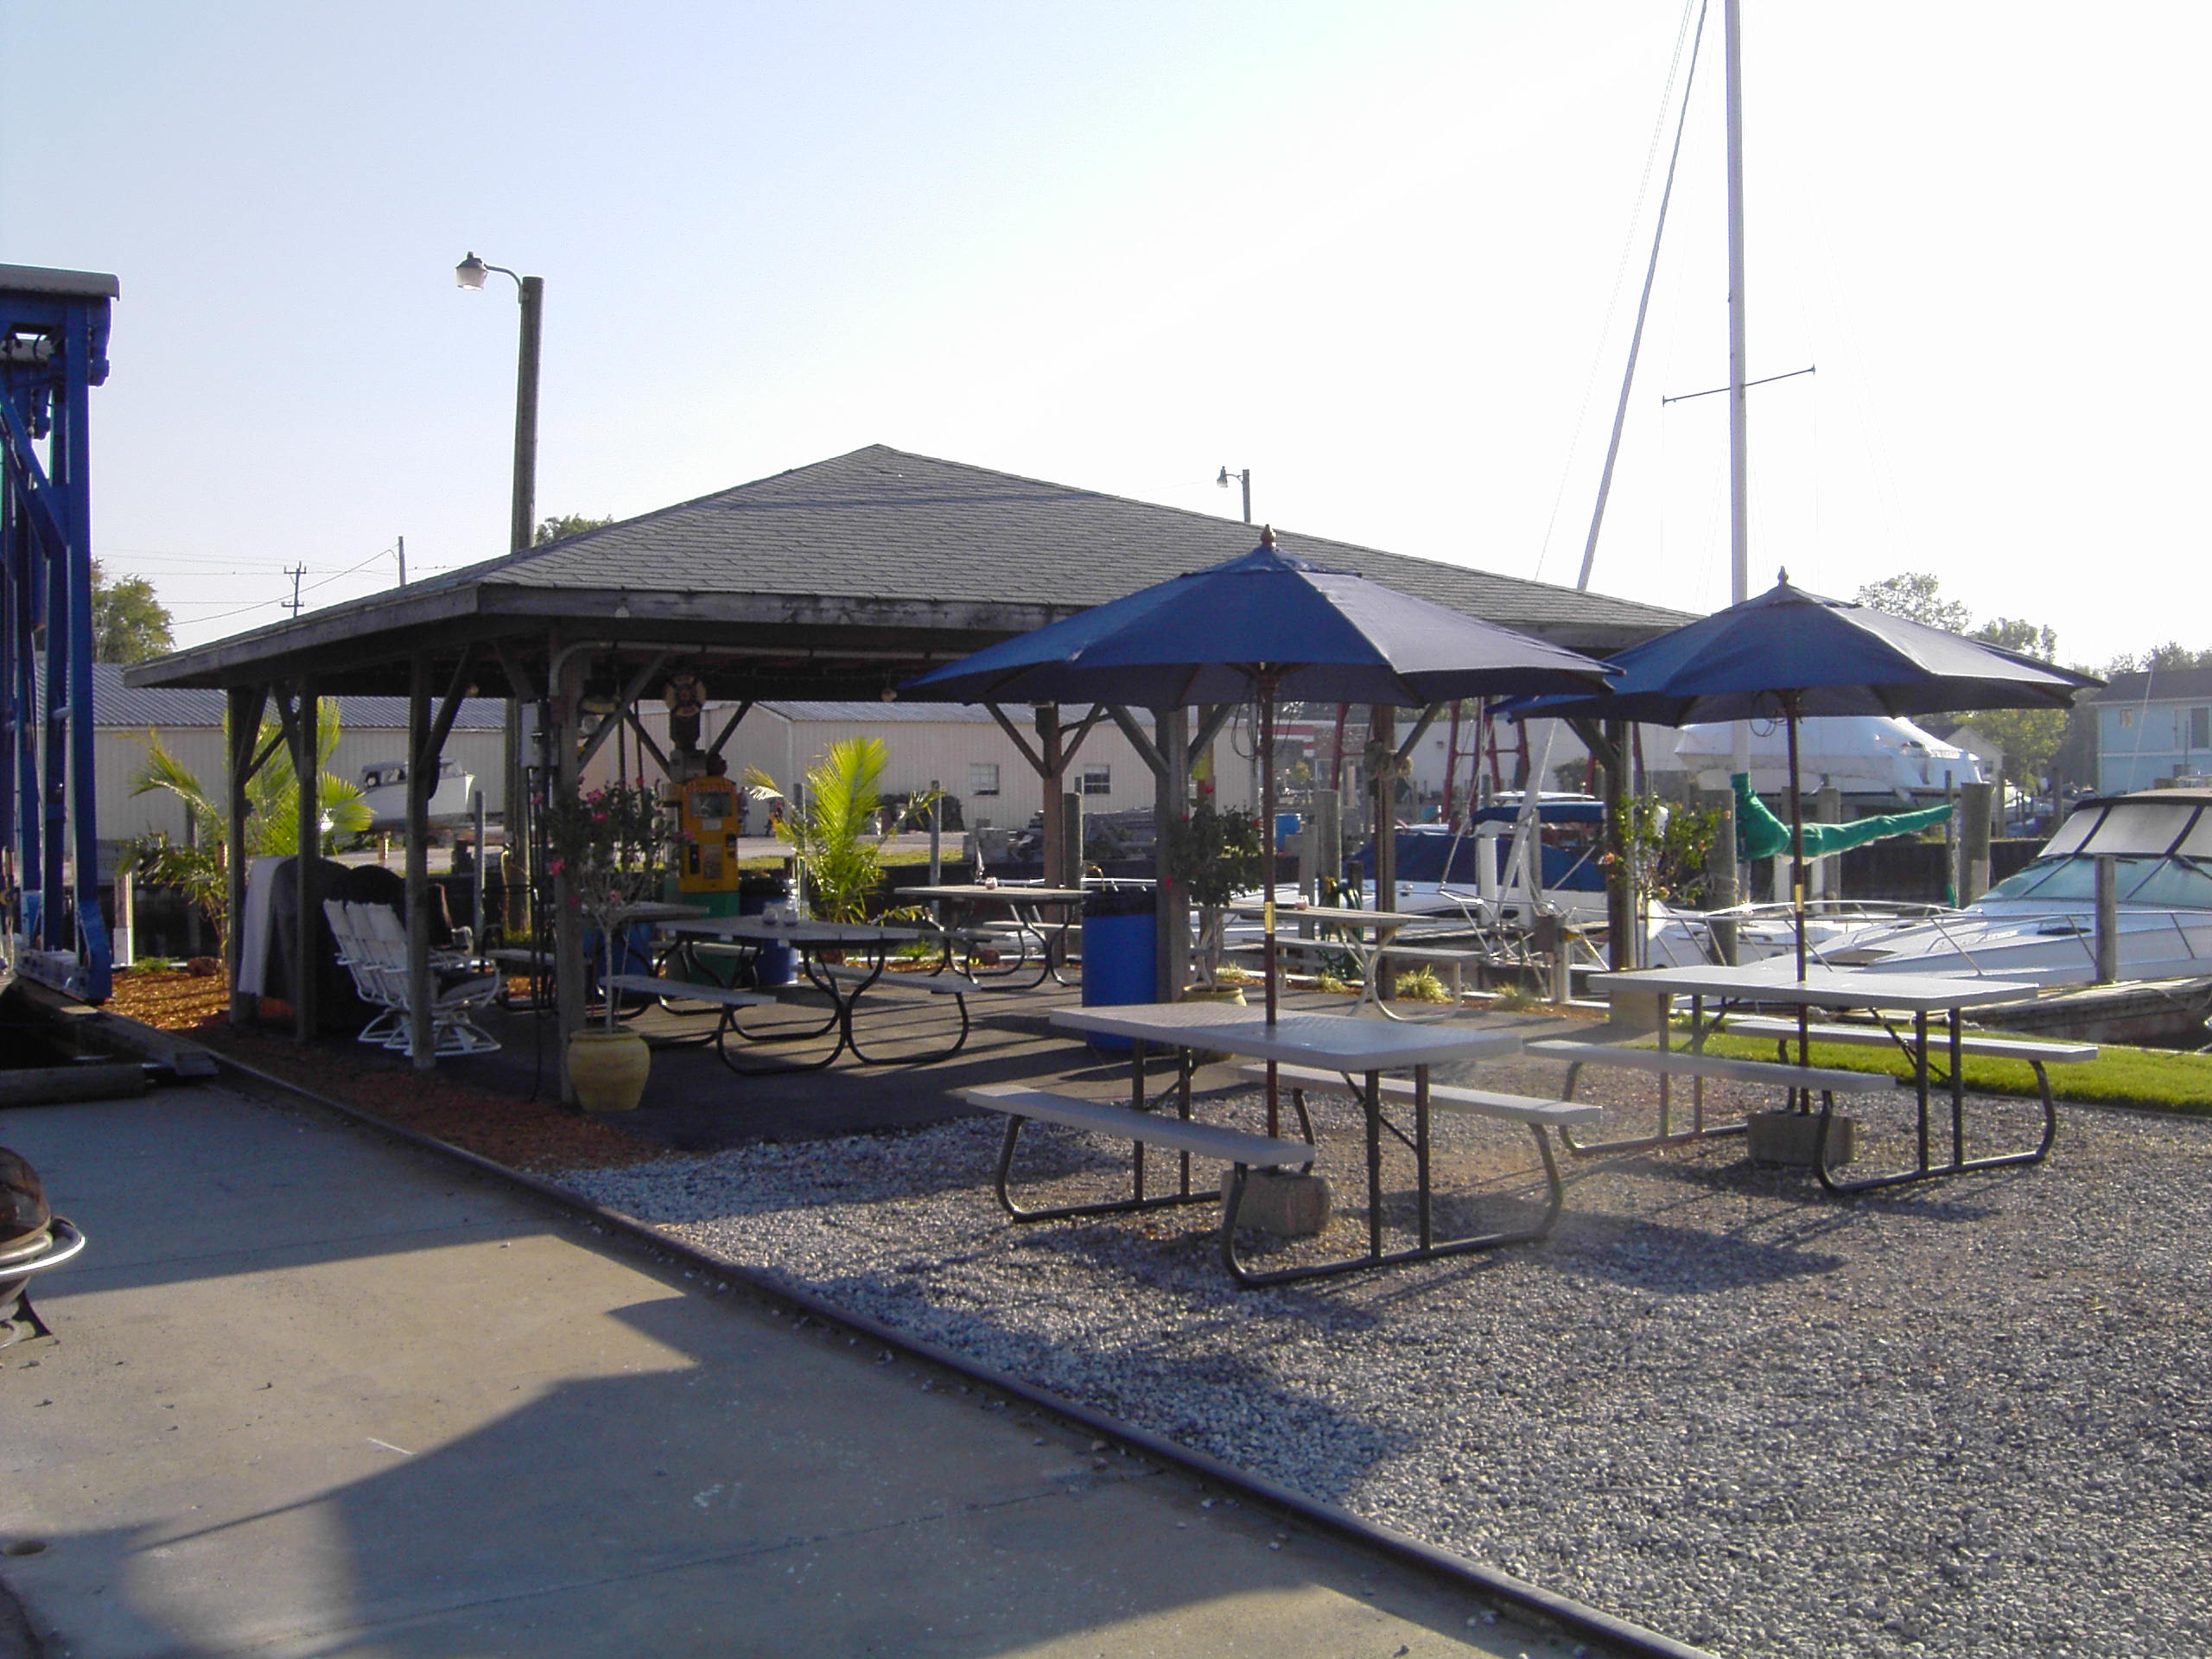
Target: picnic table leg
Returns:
[1920, 1043]
[1137, 1103]
[1958, 1098]
[1421, 1152]
[1371, 1097]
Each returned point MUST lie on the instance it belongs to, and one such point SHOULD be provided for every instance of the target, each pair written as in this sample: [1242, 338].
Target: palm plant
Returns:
[835, 832]
[272, 826]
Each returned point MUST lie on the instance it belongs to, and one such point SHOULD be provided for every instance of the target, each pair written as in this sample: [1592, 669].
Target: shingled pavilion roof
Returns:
[838, 580]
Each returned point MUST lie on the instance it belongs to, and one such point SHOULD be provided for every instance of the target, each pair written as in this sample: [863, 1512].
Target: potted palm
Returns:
[835, 831]
[611, 846]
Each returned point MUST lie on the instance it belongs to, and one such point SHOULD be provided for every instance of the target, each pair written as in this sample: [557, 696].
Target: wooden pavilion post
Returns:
[307, 933]
[1171, 799]
[1051, 763]
[421, 1043]
[567, 927]
[246, 702]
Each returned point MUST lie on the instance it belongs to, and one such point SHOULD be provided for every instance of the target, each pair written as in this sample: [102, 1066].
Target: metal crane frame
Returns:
[54, 328]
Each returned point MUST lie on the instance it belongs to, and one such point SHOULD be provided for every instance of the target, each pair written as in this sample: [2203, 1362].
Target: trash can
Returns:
[1120, 936]
[776, 963]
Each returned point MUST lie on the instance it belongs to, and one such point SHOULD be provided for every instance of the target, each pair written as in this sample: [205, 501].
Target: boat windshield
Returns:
[2176, 883]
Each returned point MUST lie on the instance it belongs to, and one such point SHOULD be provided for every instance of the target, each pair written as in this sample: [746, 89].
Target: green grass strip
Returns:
[2154, 1078]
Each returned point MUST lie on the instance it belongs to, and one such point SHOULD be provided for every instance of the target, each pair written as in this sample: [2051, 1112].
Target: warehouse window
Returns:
[1096, 780]
[982, 778]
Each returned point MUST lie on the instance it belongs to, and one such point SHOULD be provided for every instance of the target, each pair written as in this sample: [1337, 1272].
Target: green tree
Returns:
[129, 624]
[2029, 737]
[1918, 596]
[2012, 633]
[566, 524]
[197, 869]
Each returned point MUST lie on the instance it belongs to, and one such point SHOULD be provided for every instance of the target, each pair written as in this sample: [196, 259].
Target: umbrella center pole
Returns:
[1789, 708]
[1264, 707]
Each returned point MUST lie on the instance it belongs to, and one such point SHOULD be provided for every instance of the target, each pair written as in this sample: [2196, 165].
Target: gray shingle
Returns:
[881, 524]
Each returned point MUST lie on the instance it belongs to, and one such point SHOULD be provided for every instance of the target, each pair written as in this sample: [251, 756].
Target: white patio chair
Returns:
[369, 982]
[453, 997]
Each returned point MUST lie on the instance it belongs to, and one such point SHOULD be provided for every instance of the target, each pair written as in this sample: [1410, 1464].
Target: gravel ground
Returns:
[1968, 1419]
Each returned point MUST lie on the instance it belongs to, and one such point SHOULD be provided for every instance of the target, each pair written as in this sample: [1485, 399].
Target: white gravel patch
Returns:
[1969, 1418]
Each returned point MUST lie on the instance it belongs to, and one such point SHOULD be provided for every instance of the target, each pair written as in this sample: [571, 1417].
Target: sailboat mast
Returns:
[1739, 493]
[1739, 479]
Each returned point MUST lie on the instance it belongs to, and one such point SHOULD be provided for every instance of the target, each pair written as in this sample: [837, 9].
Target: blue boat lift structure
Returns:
[54, 328]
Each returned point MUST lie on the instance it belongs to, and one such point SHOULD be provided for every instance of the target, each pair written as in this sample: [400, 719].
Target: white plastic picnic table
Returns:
[1774, 981]
[1361, 1049]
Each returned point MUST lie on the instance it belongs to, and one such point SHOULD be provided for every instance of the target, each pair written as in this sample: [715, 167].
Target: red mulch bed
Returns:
[541, 1136]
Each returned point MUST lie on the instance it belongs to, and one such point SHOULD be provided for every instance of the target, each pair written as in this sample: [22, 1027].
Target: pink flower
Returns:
[555, 866]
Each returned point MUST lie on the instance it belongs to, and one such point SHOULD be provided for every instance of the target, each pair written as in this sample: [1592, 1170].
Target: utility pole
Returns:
[295, 571]
[402, 561]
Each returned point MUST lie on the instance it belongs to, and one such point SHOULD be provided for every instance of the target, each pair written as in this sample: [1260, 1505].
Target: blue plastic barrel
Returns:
[1120, 935]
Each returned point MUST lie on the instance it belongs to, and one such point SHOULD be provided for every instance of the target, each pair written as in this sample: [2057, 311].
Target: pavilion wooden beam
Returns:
[567, 927]
[729, 728]
[422, 779]
[1607, 741]
[306, 934]
[246, 703]
[1171, 806]
[631, 691]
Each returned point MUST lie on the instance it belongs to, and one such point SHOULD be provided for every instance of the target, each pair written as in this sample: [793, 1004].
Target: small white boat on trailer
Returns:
[384, 788]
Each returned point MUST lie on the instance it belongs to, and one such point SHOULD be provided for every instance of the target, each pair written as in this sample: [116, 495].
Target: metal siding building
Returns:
[940, 743]
[190, 724]
[2152, 727]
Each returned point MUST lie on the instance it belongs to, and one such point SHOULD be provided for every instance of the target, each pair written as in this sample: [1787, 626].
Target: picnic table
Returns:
[844, 961]
[1025, 907]
[1774, 983]
[1332, 1045]
[1369, 937]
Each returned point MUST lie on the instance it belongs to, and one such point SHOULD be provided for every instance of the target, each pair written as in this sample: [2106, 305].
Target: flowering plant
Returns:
[611, 846]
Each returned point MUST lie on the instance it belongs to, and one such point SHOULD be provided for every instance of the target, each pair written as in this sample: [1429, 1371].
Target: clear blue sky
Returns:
[1382, 255]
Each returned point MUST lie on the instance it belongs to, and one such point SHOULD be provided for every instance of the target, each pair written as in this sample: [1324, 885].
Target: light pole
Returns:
[515, 917]
[470, 274]
[1243, 477]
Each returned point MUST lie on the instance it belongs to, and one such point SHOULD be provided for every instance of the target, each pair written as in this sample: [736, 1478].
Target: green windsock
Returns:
[1759, 834]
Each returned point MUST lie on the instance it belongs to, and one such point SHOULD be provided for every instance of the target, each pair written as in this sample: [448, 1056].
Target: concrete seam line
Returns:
[1632, 1641]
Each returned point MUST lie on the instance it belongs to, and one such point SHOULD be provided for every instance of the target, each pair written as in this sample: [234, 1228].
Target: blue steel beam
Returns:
[54, 328]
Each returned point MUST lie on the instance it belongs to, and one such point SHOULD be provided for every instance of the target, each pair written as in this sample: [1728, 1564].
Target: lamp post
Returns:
[470, 274]
[1243, 477]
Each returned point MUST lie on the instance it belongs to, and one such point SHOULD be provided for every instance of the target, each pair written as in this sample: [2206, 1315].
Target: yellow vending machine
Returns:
[709, 811]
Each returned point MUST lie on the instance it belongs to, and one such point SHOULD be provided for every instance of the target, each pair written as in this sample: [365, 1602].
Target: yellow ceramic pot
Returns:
[607, 1070]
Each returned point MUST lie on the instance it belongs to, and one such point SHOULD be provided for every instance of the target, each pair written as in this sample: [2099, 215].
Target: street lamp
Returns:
[1243, 477]
[521, 856]
[471, 273]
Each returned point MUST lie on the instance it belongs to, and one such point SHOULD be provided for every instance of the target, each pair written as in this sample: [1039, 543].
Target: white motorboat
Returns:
[2039, 925]
[1862, 755]
[384, 790]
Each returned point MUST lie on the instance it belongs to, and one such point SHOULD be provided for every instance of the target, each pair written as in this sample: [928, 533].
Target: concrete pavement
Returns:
[313, 1393]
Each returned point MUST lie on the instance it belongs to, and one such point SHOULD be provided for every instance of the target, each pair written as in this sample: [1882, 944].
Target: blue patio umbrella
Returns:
[1270, 627]
[1794, 655]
